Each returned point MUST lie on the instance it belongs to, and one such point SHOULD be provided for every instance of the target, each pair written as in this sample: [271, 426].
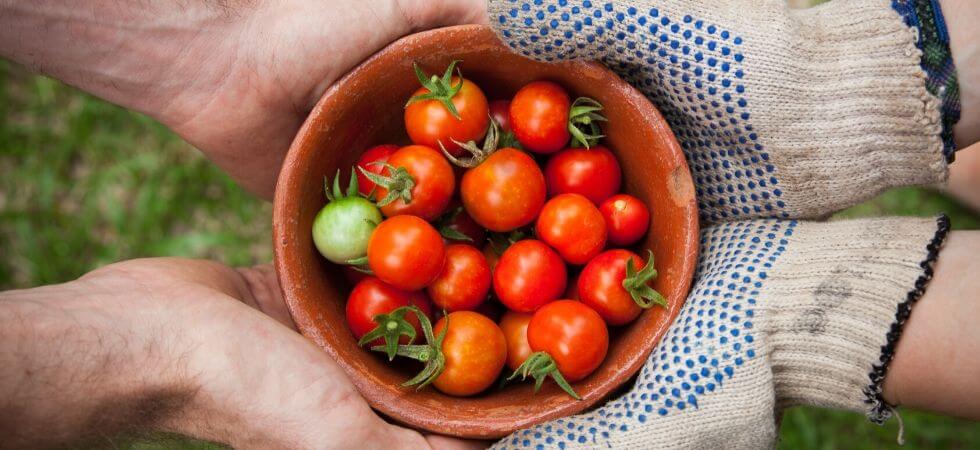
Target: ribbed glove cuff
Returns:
[840, 305]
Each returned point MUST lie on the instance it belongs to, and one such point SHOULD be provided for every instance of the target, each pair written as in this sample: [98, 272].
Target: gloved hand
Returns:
[782, 113]
[782, 313]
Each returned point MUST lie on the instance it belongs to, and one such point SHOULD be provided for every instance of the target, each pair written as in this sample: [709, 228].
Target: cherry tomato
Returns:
[573, 334]
[371, 297]
[592, 172]
[376, 154]
[573, 226]
[342, 228]
[528, 275]
[405, 251]
[505, 192]
[514, 326]
[627, 219]
[433, 179]
[456, 226]
[429, 122]
[500, 112]
[464, 281]
[539, 116]
[601, 286]
[475, 351]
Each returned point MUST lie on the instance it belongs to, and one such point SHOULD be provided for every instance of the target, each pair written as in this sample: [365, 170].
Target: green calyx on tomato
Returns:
[429, 353]
[342, 229]
[399, 183]
[440, 89]
[540, 365]
[583, 122]
[390, 328]
[477, 154]
[637, 284]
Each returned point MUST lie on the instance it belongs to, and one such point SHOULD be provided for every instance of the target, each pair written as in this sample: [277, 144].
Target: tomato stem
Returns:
[440, 89]
[399, 183]
[429, 353]
[540, 365]
[391, 327]
[477, 154]
[583, 122]
[335, 193]
[638, 284]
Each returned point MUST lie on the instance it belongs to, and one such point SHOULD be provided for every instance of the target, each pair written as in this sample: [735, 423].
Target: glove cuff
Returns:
[852, 114]
[841, 303]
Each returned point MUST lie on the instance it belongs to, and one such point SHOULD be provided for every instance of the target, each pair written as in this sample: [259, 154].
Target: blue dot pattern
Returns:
[692, 70]
[713, 336]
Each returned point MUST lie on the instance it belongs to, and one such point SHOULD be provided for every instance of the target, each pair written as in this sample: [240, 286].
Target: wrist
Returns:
[140, 57]
[961, 17]
[835, 326]
[76, 344]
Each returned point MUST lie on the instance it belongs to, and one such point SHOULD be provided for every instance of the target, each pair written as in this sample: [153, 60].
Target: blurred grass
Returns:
[84, 183]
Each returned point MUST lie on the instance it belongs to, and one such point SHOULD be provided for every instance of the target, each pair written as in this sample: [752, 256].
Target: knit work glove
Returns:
[783, 313]
[782, 113]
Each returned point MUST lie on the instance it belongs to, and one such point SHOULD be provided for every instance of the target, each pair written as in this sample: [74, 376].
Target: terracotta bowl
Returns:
[364, 109]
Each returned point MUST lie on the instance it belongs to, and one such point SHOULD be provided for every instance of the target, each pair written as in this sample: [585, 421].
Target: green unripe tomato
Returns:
[341, 229]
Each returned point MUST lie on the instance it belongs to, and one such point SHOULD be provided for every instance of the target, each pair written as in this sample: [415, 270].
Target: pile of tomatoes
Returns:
[508, 235]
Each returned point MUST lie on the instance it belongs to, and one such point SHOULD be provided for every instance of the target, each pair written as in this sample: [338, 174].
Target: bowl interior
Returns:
[365, 109]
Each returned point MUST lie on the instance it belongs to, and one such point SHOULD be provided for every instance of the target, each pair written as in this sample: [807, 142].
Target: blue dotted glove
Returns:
[782, 313]
[782, 113]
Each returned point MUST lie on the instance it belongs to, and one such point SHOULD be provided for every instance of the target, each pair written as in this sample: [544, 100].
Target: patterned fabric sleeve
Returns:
[937, 61]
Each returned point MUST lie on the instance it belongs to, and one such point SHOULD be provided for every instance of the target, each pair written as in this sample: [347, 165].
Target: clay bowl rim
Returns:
[287, 189]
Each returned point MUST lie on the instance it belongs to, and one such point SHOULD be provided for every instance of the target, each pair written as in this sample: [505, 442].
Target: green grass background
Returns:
[84, 183]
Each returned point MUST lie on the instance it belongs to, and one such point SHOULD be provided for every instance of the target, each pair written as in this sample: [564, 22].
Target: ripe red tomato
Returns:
[405, 251]
[475, 351]
[573, 334]
[429, 122]
[573, 226]
[433, 178]
[505, 192]
[528, 275]
[539, 116]
[514, 326]
[464, 281]
[627, 219]
[500, 112]
[592, 172]
[371, 297]
[601, 286]
[376, 154]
